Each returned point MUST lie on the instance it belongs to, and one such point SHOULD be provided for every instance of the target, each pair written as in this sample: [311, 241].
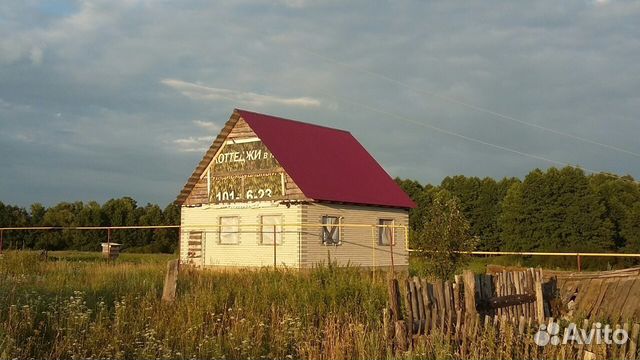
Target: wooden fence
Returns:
[444, 305]
[613, 296]
[507, 303]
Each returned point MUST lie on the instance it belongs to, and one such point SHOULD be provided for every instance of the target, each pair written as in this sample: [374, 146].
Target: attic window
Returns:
[331, 230]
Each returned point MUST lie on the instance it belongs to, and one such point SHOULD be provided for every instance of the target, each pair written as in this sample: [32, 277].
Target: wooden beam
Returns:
[506, 300]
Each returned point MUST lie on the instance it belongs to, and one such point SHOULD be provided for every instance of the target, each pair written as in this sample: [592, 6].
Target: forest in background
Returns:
[115, 212]
[563, 210]
[552, 210]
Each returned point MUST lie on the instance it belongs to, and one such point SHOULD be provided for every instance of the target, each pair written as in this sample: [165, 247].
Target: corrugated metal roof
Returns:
[327, 164]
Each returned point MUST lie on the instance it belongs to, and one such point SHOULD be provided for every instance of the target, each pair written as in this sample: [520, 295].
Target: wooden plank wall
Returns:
[241, 130]
[357, 247]
[610, 296]
[249, 251]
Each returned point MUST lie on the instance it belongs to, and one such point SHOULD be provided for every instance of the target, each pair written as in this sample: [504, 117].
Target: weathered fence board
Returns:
[513, 303]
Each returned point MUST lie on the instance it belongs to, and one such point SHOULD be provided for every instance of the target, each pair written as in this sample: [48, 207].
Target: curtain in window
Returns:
[330, 230]
[386, 232]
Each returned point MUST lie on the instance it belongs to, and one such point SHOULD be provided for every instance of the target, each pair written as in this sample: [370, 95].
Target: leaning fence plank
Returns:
[435, 314]
[394, 299]
[469, 292]
[413, 302]
[426, 299]
[408, 300]
[447, 305]
[421, 313]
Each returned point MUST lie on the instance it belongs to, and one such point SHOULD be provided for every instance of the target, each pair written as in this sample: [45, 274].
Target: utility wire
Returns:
[471, 139]
[453, 133]
[462, 103]
[465, 104]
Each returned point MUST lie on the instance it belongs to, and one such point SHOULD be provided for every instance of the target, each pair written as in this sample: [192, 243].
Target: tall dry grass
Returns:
[90, 310]
[75, 309]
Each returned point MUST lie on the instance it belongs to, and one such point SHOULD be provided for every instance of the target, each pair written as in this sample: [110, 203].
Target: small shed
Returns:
[273, 191]
[111, 250]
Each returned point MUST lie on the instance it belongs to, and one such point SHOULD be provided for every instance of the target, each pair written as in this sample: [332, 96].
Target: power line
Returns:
[466, 104]
[453, 133]
[453, 100]
[472, 139]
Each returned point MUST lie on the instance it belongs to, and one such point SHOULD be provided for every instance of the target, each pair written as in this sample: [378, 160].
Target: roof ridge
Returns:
[294, 121]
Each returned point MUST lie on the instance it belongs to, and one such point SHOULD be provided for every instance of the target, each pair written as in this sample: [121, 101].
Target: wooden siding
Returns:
[195, 177]
[237, 130]
[357, 247]
[249, 252]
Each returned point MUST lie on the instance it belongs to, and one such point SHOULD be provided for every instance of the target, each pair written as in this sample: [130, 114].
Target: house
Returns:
[272, 191]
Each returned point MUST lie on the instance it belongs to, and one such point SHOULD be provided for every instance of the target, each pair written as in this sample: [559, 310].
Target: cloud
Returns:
[197, 144]
[35, 55]
[207, 125]
[201, 92]
[99, 64]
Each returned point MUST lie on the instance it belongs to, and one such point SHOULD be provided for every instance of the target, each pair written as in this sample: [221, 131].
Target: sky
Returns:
[104, 99]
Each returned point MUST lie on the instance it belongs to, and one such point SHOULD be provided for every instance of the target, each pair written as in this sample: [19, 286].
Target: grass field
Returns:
[75, 305]
[81, 307]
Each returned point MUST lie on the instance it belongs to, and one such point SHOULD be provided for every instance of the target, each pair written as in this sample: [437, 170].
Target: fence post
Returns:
[373, 251]
[180, 244]
[539, 300]
[393, 268]
[579, 263]
[170, 281]
[1, 240]
[275, 264]
[469, 280]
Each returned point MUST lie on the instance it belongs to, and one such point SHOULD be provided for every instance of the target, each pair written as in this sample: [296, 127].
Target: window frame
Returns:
[279, 230]
[324, 230]
[381, 228]
[236, 232]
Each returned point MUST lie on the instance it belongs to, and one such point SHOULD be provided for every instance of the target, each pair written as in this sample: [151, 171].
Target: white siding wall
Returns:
[359, 246]
[249, 251]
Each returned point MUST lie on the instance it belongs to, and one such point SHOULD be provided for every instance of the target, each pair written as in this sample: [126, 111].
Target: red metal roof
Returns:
[327, 164]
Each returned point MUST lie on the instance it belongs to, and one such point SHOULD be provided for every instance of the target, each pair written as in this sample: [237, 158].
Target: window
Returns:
[229, 230]
[386, 232]
[271, 229]
[331, 230]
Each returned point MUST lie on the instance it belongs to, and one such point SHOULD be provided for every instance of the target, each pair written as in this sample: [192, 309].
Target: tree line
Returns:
[563, 210]
[115, 212]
